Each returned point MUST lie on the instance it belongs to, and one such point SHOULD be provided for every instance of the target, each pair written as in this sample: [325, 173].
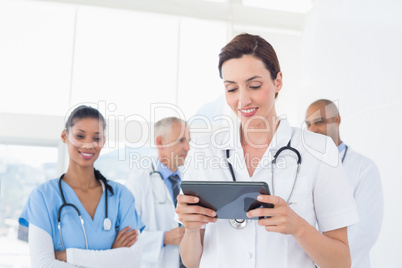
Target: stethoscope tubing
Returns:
[241, 223]
[346, 151]
[106, 222]
[153, 172]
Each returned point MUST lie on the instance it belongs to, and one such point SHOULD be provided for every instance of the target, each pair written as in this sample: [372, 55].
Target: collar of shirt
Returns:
[166, 173]
[341, 147]
[281, 138]
[282, 135]
[164, 170]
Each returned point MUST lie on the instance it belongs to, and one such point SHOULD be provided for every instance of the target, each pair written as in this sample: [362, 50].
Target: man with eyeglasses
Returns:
[322, 116]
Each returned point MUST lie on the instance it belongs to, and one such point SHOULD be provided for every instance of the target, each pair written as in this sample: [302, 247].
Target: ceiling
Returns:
[257, 13]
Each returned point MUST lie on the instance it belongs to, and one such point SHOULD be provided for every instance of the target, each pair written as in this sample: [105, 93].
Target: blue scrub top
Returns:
[44, 203]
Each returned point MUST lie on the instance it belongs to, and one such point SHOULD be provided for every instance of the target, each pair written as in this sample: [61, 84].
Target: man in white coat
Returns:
[323, 117]
[155, 191]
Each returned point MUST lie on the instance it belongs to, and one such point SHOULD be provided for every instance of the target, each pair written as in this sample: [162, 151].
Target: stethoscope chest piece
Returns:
[238, 223]
[107, 224]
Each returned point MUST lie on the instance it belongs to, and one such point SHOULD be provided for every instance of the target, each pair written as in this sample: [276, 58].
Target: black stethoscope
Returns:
[346, 151]
[241, 223]
[107, 224]
[159, 182]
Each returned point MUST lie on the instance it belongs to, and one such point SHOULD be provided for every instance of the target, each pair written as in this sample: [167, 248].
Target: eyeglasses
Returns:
[320, 121]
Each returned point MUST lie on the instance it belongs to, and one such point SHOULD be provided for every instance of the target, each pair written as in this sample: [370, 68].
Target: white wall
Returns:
[351, 53]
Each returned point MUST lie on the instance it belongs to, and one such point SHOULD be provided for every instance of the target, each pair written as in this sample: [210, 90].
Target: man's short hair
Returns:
[164, 126]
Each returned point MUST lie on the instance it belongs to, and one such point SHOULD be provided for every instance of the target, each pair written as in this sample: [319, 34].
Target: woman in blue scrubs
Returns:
[82, 219]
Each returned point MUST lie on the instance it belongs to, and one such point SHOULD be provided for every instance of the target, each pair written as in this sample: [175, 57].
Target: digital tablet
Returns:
[230, 200]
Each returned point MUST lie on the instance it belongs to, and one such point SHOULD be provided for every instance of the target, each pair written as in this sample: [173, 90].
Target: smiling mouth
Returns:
[248, 112]
[87, 155]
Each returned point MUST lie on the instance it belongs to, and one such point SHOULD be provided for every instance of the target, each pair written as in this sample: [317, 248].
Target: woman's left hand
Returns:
[60, 255]
[282, 218]
[125, 238]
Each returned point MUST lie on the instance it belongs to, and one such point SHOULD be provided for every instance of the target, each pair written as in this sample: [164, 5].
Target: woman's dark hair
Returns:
[100, 177]
[82, 112]
[253, 45]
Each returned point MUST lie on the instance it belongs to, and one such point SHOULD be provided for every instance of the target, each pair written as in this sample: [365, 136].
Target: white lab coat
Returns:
[157, 217]
[322, 196]
[365, 183]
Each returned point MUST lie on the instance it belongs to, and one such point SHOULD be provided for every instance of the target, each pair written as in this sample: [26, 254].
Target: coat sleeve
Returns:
[41, 249]
[151, 239]
[369, 200]
[118, 257]
[333, 199]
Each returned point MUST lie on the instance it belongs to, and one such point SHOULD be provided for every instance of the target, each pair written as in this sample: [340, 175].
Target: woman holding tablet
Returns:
[82, 219]
[307, 183]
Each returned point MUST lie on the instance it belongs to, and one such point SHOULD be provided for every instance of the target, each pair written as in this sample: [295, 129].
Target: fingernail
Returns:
[259, 198]
[196, 199]
[213, 213]
[247, 215]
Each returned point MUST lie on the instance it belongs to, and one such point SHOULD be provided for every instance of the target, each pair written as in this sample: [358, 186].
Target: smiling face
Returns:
[85, 140]
[250, 91]
[174, 147]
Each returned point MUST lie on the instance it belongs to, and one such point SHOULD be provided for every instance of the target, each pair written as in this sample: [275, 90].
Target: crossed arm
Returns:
[125, 252]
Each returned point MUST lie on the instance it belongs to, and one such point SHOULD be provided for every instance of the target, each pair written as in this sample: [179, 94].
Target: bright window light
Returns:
[22, 168]
[200, 88]
[297, 6]
[217, 1]
[127, 59]
[35, 57]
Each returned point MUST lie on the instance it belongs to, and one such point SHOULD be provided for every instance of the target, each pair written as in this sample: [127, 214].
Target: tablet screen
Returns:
[230, 200]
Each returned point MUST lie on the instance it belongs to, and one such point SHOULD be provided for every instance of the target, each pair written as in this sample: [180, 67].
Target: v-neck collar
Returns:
[281, 138]
[71, 197]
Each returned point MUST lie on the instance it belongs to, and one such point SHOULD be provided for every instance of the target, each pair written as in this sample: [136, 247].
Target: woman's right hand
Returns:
[193, 216]
[125, 238]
